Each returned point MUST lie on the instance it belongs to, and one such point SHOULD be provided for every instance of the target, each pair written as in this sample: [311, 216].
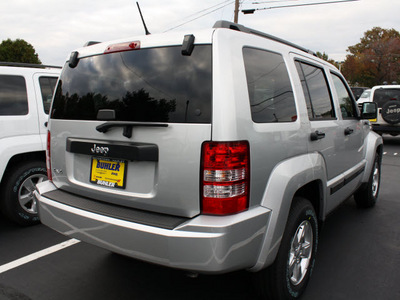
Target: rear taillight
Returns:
[48, 162]
[225, 177]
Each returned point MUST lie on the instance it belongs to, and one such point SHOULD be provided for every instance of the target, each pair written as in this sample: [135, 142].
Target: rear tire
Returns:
[17, 201]
[367, 194]
[288, 276]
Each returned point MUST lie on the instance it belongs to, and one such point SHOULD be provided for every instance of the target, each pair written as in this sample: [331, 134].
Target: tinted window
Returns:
[346, 103]
[381, 96]
[47, 85]
[270, 91]
[147, 85]
[13, 96]
[357, 91]
[316, 91]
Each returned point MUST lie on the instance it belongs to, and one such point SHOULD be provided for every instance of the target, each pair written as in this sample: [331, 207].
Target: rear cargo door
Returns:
[127, 128]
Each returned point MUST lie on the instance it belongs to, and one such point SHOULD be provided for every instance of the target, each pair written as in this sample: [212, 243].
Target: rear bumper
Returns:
[205, 244]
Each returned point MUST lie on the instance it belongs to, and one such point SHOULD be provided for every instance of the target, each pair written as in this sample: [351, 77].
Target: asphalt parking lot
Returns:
[358, 258]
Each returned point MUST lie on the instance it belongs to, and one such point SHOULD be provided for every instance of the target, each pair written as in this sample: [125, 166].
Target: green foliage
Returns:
[18, 51]
[376, 59]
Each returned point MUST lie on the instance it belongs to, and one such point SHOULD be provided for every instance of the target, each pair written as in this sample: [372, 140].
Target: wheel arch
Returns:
[16, 149]
[302, 176]
[313, 192]
[374, 145]
[19, 158]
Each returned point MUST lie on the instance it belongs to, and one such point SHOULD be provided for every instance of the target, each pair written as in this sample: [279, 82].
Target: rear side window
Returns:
[47, 85]
[316, 91]
[347, 106]
[147, 85]
[13, 96]
[270, 91]
[381, 96]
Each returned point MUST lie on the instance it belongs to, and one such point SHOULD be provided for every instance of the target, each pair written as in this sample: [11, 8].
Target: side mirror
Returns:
[369, 110]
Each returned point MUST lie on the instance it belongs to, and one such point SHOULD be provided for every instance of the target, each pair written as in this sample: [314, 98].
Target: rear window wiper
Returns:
[127, 132]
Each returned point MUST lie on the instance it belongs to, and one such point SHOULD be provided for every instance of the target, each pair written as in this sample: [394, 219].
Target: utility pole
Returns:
[236, 19]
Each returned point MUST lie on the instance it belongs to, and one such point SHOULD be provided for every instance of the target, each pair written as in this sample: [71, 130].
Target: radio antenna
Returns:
[144, 24]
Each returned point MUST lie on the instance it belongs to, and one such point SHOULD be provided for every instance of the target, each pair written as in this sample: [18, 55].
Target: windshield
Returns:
[147, 85]
[365, 94]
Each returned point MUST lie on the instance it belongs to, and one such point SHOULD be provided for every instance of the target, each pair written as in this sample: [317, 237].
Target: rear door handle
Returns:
[317, 135]
[348, 131]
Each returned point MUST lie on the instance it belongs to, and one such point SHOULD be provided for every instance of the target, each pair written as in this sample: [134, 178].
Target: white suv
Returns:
[25, 95]
[387, 97]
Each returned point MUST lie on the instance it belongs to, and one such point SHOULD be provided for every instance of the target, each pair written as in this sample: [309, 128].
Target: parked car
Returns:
[214, 151]
[25, 95]
[387, 97]
[357, 91]
[365, 97]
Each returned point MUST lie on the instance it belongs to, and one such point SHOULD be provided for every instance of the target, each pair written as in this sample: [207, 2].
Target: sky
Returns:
[56, 27]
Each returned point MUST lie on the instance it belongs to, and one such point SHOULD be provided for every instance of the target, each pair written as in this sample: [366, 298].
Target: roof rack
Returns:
[238, 27]
[14, 64]
[90, 43]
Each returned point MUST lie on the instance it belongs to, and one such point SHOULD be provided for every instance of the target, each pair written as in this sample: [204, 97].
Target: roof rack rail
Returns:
[26, 65]
[238, 27]
[90, 43]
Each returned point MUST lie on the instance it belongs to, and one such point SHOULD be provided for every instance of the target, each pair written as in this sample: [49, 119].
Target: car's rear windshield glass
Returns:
[381, 96]
[147, 85]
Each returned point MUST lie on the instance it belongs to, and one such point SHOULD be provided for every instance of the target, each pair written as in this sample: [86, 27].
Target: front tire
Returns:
[288, 276]
[17, 201]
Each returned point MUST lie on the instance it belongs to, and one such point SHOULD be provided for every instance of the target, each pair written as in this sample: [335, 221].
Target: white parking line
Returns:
[36, 255]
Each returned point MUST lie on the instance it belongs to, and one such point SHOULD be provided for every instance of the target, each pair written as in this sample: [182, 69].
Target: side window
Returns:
[13, 96]
[270, 91]
[347, 106]
[47, 85]
[316, 92]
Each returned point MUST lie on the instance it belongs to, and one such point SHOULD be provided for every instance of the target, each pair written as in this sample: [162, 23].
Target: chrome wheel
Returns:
[25, 193]
[375, 180]
[300, 252]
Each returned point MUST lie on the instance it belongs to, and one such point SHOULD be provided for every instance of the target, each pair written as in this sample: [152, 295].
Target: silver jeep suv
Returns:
[214, 151]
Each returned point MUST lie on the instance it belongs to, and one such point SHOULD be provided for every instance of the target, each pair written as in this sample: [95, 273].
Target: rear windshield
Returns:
[365, 94]
[147, 85]
[381, 96]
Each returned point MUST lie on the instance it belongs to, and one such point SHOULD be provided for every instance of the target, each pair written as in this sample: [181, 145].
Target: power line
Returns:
[250, 11]
[203, 10]
[272, 1]
[224, 4]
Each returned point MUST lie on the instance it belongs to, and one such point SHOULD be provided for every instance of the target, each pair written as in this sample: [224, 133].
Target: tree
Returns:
[375, 60]
[325, 57]
[18, 51]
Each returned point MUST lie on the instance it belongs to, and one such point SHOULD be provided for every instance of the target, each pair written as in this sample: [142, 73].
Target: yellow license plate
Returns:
[108, 172]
